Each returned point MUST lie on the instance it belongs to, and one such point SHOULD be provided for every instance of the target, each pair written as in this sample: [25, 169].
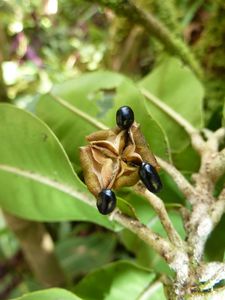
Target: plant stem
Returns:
[172, 43]
[217, 209]
[138, 15]
[217, 167]
[160, 210]
[185, 187]
[220, 134]
[38, 249]
[160, 245]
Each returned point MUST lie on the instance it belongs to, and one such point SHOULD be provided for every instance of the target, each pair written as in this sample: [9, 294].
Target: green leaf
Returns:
[212, 251]
[99, 95]
[170, 192]
[120, 280]
[81, 254]
[154, 292]
[187, 160]
[50, 294]
[126, 208]
[37, 180]
[177, 86]
[142, 209]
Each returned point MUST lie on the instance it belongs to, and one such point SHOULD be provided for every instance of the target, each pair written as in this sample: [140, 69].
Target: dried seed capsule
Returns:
[106, 201]
[124, 117]
[150, 177]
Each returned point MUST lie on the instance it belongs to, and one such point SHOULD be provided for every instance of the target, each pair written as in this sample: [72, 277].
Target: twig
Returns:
[214, 138]
[176, 257]
[172, 43]
[186, 188]
[201, 225]
[139, 15]
[159, 207]
[79, 112]
[211, 274]
[217, 166]
[217, 209]
[160, 245]
[220, 134]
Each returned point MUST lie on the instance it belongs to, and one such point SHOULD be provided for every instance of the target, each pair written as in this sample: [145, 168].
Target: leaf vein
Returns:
[47, 181]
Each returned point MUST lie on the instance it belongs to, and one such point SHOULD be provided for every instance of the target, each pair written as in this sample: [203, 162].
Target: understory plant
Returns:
[41, 180]
[171, 244]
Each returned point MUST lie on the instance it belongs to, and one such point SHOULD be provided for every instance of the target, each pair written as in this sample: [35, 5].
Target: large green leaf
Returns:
[50, 294]
[120, 280]
[175, 85]
[36, 177]
[98, 94]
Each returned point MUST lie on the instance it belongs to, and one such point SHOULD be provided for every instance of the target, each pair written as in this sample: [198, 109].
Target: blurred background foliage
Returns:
[50, 42]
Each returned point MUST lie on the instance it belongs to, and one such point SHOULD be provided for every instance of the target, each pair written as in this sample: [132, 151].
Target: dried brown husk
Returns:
[112, 158]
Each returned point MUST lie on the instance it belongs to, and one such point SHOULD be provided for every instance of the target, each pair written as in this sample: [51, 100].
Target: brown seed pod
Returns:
[112, 158]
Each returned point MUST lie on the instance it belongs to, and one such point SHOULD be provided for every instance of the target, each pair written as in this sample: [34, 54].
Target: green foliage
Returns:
[213, 252]
[187, 160]
[115, 281]
[144, 256]
[38, 172]
[50, 294]
[82, 254]
[8, 243]
[98, 94]
[175, 85]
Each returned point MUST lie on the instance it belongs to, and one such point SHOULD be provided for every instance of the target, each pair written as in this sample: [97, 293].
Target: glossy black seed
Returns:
[106, 201]
[150, 177]
[124, 117]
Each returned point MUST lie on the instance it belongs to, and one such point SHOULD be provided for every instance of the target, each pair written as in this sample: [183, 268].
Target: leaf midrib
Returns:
[46, 181]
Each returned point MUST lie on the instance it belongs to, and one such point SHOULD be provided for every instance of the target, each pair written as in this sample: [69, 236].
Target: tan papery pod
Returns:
[111, 159]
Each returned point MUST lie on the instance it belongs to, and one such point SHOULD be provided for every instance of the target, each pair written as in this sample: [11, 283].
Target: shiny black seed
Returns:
[124, 117]
[150, 177]
[106, 201]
